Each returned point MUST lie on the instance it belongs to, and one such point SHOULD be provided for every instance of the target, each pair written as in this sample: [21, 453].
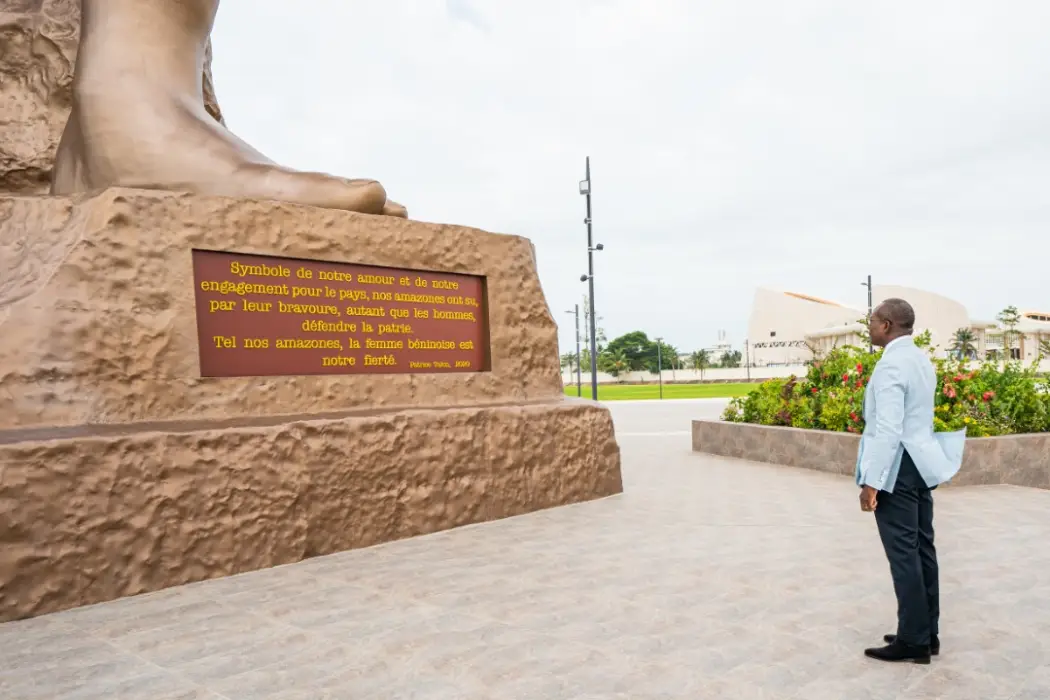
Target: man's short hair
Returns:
[899, 313]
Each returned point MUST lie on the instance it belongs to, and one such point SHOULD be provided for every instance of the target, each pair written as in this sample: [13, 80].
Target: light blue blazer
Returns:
[898, 415]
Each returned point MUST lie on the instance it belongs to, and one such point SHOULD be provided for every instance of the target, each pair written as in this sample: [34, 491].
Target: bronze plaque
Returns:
[260, 315]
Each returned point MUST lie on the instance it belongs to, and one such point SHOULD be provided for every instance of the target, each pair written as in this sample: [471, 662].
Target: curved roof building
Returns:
[780, 322]
[935, 313]
[786, 328]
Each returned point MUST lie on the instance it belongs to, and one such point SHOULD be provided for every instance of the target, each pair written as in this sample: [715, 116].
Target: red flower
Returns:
[949, 392]
[860, 367]
[860, 384]
[845, 378]
[850, 429]
[988, 396]
[853, 417]
[958, 377]
[815, 390]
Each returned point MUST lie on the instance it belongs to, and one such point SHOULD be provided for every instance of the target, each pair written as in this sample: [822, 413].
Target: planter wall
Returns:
[1019, 460]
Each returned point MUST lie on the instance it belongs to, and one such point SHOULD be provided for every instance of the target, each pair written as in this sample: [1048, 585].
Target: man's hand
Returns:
[869, 499]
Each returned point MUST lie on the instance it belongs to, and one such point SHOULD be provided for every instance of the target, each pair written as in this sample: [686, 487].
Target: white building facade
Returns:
[781, 323]
[788, 328]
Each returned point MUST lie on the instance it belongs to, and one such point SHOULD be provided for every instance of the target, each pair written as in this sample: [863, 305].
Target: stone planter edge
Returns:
[1017, 460]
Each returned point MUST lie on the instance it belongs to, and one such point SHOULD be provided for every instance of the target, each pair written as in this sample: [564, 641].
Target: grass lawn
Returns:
[633, 392]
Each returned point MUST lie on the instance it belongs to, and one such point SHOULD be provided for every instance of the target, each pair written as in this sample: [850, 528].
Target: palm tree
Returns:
[1044, 347]
[1009, 319]
[700, 360]
[615, 363]
[731, 359]
[964, 343]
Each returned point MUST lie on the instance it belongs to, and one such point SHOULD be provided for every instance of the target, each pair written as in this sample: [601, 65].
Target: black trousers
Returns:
[905, 520]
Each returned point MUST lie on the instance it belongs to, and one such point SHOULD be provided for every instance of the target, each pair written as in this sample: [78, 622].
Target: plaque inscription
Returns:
[271, 316]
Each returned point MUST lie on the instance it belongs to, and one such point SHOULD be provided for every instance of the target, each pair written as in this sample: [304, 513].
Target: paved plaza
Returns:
[708, 579]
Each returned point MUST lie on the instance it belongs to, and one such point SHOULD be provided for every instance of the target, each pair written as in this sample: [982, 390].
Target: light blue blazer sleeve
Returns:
[880, 450]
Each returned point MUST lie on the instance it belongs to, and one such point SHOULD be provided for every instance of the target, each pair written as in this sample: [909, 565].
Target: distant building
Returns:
[1032, 332]
[787, 328]
[781, 324]
[717, 352]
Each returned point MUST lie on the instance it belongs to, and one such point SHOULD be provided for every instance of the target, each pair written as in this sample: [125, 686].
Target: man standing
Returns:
[899, 463]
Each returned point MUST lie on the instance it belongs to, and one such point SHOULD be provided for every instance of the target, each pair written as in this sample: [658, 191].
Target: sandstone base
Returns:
[98, 316]
[91, 518]
[124, 470]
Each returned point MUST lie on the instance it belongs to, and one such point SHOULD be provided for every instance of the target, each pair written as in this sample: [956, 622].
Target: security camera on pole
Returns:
[585, 190]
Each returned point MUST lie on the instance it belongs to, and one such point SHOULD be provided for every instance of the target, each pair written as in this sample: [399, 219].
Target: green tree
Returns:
[731, 359]
[924, 341]
[1044, 347]
[700, 360]
[865, 335]
[614, 363]
[568, 360]
[585, 344]
[665, 359]
[635, 347]
[964, 343]
[1009, 319]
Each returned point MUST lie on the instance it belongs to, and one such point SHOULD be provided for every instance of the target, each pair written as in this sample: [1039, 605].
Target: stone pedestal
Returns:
[122, 470]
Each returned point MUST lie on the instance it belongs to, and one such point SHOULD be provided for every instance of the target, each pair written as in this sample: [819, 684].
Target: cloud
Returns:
[800, 145]
[464, 11]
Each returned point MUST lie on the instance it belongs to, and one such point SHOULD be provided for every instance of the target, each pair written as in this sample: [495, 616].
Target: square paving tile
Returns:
[708, 578]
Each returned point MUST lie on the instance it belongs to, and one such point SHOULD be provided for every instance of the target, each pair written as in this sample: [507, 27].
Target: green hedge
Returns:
[986, 399]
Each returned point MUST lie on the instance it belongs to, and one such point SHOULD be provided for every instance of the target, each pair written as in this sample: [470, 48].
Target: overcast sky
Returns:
[799, 145]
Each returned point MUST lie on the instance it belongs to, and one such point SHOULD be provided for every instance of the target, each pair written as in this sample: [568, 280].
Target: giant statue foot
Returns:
[138, 117]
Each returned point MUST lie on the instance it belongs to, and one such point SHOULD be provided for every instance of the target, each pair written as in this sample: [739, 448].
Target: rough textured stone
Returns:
[38, 48]
[1018, 460]
[122, 470]
[88, 519]
[97, 320]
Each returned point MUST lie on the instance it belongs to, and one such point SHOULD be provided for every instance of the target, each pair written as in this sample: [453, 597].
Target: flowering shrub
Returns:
[986, 399]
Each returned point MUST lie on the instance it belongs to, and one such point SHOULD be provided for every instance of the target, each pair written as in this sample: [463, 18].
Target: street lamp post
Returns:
[585, 190]
[660, 364]
[871, 348]
[747, 357]
[579, 384]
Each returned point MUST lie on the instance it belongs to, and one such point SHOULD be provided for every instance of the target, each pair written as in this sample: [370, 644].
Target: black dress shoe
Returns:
[899, 651]
[935, 643]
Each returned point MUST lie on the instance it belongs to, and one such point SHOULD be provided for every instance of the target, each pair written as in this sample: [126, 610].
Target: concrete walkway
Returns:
[707, 579]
